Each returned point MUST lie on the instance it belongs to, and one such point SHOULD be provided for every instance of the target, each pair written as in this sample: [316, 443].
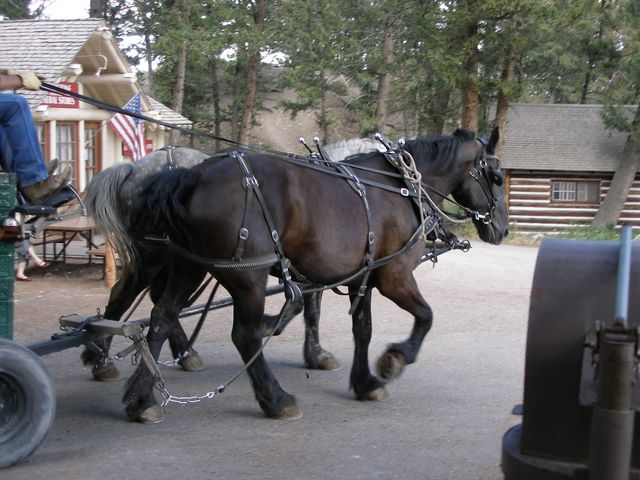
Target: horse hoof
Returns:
[390, 365]
[324, 361]
[107, 372]
[378, 395]
[192, 362]
[150, 416]
[290, 412]
[329, 363]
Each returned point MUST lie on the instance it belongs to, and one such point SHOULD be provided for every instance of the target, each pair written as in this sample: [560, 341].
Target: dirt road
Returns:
[444, 419]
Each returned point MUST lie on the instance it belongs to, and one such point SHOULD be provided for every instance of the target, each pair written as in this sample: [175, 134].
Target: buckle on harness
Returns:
[404, 192]
[251, 182]
[244, 233]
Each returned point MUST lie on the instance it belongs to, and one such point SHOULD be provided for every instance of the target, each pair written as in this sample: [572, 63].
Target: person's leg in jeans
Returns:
[28, 161]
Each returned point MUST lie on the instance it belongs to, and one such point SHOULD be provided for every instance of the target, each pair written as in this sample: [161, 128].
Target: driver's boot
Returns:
[38, 193]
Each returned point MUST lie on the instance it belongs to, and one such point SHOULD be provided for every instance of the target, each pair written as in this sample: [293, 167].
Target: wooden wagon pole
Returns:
[110, 274]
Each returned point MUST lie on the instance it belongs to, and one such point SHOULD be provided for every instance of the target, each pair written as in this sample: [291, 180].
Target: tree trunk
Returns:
[469, 120]
[235, 107]
[250, 99]
[502, 106]
[324, 121]
[217, 114]
[259, 15]
[591, 57]
[442, 104]
[96, 8]
[612, 205]
[178, 87]
[384, 79]
[151, 77]
[181, 71]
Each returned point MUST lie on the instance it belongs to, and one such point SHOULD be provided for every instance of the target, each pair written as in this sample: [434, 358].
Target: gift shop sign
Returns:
[62, 101]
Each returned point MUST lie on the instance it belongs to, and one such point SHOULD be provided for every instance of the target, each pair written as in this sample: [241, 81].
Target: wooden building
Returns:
[83, 56]
[559, 161]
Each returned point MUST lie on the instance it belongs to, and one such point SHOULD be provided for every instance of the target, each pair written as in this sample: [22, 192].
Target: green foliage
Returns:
[331, 55]
[617, 117]
[581, 232]
[16, 9]
[624, 83]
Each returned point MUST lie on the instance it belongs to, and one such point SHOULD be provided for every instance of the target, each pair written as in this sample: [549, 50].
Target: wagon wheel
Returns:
[27, 402]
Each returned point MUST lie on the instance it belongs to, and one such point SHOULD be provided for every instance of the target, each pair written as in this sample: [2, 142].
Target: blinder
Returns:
[492, 176]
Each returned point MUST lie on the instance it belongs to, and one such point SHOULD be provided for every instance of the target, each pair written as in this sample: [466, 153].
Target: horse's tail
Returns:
[104, 204]
[163, 210]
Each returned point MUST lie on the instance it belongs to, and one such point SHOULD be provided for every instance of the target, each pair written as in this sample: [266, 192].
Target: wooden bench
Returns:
[96, 252]
[50, 239]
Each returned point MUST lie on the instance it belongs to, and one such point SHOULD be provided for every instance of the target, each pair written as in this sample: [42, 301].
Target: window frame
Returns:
[44, 137]
[75, 160]
[576, 186]
[96, 147]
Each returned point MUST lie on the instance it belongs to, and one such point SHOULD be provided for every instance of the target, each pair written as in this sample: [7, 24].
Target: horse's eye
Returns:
[498, 179]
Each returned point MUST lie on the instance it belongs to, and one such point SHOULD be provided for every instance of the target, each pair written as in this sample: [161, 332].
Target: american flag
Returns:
[130, 129]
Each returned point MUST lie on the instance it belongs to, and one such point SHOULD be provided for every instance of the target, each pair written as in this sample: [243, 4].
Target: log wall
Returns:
[531, 209]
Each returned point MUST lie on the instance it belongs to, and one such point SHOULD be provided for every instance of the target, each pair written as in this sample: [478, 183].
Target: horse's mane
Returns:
[342, 149]
[440, 150]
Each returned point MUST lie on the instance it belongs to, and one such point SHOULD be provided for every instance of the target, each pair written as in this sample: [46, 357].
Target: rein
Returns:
[47, 87]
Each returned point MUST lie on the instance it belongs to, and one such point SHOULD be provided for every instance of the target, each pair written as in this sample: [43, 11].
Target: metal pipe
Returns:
[624, 271]
[613, 418]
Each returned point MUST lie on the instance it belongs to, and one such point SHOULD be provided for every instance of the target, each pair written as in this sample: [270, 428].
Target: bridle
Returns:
[479, 172]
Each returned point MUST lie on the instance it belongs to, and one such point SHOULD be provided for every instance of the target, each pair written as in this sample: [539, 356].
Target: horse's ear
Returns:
[493, 141]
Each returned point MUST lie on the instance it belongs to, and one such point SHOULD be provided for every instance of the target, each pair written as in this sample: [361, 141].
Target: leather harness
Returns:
[429, 221]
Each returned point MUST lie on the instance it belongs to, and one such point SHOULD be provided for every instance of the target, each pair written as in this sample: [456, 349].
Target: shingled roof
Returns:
[49, 47]
[44, 46]
[561, 137]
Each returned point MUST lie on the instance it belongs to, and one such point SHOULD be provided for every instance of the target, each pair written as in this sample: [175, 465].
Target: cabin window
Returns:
[575, 191]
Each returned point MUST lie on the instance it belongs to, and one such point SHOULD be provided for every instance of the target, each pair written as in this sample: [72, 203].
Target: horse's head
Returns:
[482, 190]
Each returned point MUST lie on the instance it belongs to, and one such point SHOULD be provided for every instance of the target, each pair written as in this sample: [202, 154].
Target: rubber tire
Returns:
[27, 402]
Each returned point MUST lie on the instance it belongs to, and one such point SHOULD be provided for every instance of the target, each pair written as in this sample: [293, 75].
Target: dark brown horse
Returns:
[112, 201]
[244, 215]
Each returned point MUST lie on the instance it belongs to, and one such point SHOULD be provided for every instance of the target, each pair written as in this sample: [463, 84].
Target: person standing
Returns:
[24, 250]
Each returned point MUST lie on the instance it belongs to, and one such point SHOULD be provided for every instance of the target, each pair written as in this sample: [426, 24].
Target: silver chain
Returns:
[143, 352]
[168, 398]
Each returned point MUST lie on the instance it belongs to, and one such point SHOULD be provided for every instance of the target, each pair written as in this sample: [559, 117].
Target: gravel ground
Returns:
[444, 420]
